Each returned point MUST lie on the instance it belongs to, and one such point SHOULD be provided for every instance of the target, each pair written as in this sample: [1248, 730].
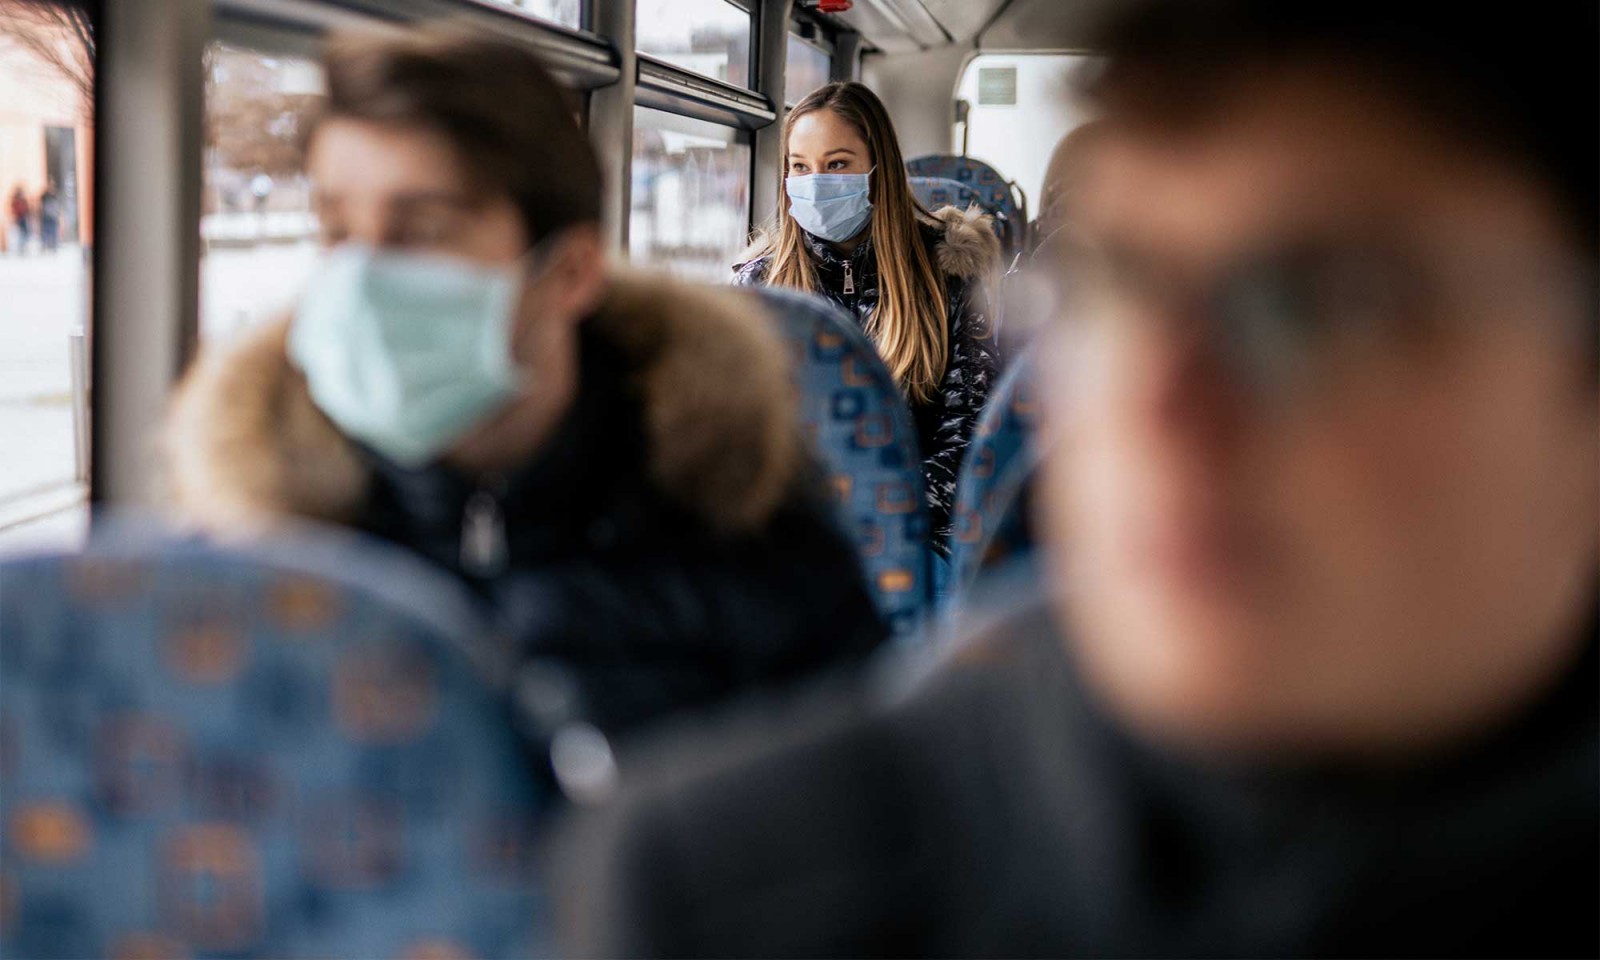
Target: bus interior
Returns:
[154, 206]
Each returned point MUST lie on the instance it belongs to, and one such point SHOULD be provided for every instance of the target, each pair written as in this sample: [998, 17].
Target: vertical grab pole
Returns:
[611, 121]
[846, 56]
[78, 361]
[772, 64]
[148, 142]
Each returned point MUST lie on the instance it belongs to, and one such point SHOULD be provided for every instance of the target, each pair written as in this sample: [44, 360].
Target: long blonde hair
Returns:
[908, 325]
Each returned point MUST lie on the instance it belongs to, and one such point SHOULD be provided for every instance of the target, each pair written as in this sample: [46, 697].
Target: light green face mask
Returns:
[407, 353]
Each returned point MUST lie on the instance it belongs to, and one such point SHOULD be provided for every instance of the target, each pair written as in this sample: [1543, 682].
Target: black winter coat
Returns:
[669, 547]
[993, 810]
[966, 251]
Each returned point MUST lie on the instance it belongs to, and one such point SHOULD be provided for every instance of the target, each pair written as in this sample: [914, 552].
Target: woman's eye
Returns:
[838, 164]
[797, 168]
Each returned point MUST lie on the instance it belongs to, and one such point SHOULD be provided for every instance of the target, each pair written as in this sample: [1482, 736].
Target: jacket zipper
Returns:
[849, 278]
[483, 529]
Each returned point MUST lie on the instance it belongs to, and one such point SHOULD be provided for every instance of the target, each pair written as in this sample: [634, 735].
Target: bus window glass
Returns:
[710, 37]
[691, 195]
[46, 232]
[808, 68]
[565, 12]
[258, 233]
[1021, 107]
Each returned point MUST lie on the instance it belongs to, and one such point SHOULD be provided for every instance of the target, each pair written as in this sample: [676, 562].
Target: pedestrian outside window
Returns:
[47, 80]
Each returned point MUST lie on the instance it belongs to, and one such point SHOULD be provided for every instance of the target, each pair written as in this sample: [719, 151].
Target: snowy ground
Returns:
[45, 299]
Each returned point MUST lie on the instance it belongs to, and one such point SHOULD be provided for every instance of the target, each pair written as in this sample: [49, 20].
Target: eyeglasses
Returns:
[1277, 317]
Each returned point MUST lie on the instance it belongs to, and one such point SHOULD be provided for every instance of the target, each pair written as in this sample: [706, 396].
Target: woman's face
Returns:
[824, 142]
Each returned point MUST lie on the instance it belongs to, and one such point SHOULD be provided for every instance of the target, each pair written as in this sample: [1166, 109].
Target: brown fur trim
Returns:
[969, 248]
[719, 401]
[762, 242]
[245, 446]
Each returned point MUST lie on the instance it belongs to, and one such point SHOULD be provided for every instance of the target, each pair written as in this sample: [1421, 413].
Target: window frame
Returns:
[752, 66]
[580, 59]
[583, 60]
[672, 89]
[737, 134]
[823, 43]
[125, 380]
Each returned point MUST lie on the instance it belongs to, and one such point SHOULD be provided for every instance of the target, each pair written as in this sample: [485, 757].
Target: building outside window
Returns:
[691, 195]
[565, 12]
[808, 68]
[709, 37]
[46, 232]
[258, 232]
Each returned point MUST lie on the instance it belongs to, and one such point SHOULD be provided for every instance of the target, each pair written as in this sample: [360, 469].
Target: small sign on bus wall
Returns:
[997, 86]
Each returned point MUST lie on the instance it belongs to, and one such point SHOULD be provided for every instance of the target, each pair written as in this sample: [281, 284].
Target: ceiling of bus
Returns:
[905, 26]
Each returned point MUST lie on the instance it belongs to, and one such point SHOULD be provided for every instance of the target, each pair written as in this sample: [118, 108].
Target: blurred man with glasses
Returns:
[1314, 666]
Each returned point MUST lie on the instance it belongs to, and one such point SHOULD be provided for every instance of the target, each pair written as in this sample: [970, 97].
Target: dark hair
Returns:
[1518, 83]
[492, 99]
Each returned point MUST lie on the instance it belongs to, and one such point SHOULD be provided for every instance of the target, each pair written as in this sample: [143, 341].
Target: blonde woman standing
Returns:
[851, 231]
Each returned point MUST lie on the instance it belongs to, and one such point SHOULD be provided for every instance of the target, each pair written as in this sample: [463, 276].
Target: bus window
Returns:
[256, 224]
[1020, 108]
[807, 69]
[565, 12]
[710, 37]
[46, 230]
[691, 194]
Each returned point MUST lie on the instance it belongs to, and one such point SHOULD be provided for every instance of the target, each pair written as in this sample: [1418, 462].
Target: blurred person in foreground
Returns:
[612, 462]
[1315, 670]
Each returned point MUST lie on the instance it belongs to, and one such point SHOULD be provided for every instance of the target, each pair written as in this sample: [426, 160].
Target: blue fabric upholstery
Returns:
[936, 192]
[994, 192]
[860, 426]
[990, 521]
[208, 752]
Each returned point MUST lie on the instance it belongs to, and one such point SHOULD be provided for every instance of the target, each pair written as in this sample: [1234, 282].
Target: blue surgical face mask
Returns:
[406, 353]
[832, 206]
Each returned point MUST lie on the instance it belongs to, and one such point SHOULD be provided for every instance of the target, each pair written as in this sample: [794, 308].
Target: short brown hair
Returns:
[491, 98]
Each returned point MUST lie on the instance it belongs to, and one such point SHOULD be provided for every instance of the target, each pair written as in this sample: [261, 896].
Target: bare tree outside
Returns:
[254, 120]
[256, 221]
[59, 33]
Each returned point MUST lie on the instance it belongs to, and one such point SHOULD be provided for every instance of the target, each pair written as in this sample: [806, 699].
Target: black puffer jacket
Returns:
[668, 547]
[967, 252]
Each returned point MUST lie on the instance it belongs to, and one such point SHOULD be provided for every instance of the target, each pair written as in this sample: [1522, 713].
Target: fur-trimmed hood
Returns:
[969, 248]
[245, 446]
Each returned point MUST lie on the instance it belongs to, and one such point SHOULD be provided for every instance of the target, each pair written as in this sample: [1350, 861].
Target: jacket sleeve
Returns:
[959, 402]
